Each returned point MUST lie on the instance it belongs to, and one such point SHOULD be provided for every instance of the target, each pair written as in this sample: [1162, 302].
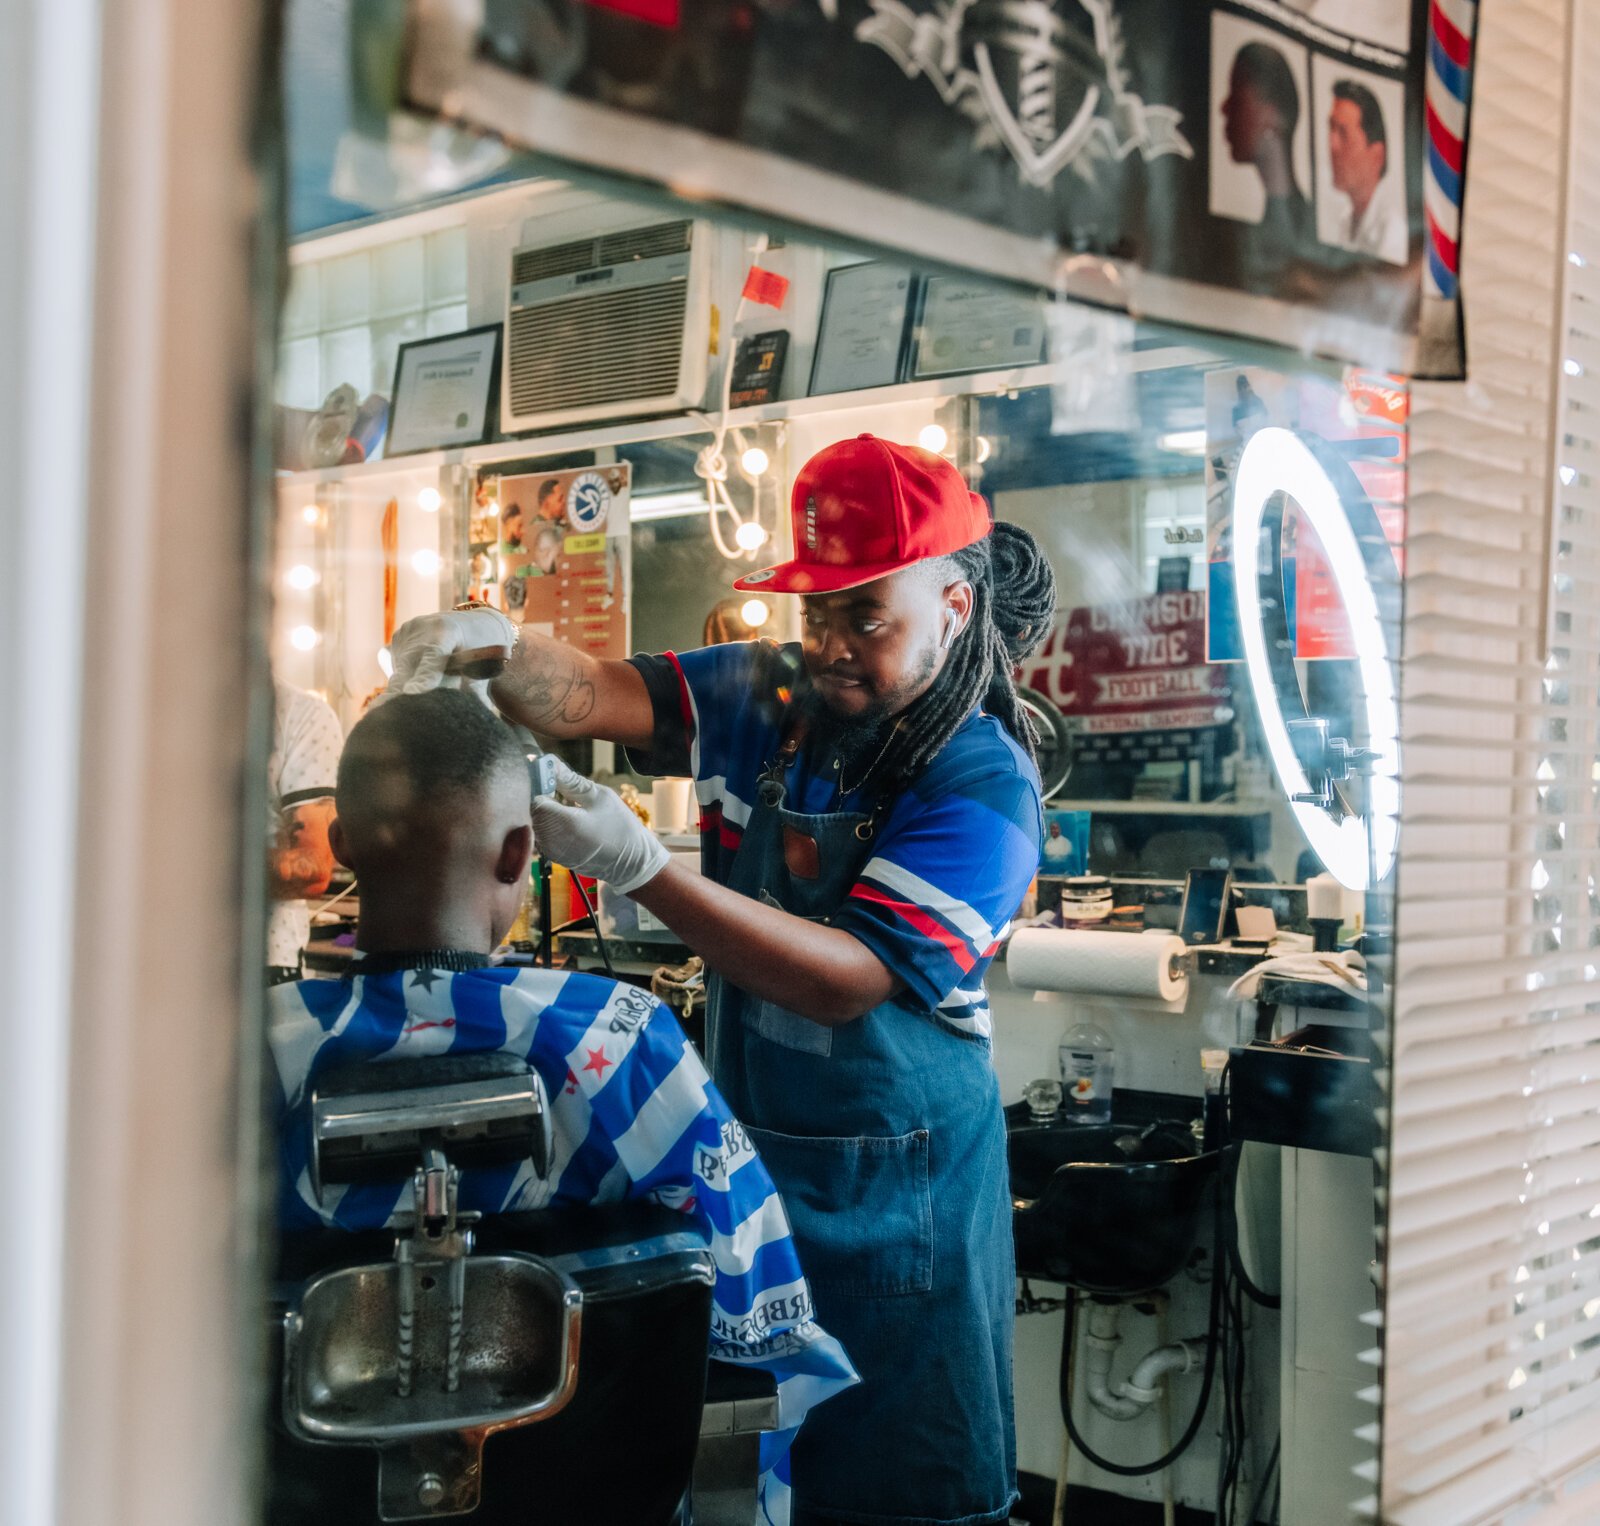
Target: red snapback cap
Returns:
[866, 507]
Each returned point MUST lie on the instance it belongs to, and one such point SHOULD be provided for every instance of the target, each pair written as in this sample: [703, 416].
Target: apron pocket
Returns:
[860, 1207]
[787, 1028]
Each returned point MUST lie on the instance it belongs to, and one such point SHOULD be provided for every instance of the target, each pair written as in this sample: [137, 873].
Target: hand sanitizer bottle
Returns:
[1088, 1061]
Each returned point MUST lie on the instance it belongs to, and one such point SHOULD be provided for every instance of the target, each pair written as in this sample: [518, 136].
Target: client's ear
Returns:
[336, 841]
[516, 853]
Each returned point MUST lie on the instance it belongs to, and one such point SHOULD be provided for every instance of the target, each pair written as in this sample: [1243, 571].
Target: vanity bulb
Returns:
[755, 612]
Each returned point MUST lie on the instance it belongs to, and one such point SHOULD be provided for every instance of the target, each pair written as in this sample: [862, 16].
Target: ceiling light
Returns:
[667, 505]
[428, 500]
[934, 437]
[755, 612]
[1276, 460]
[302, 577]
[755, 461]
[1183, 442]
[303, 638]
[750, 536]
[427, 563]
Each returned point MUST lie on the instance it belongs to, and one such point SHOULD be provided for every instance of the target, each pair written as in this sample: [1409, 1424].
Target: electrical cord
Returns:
[594, 921]
[1126, 1470]
[1259, 1498]
[1228, 1187]
[589, 919]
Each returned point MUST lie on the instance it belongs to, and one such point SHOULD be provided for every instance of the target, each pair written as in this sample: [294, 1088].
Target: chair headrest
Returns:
[371, 1122]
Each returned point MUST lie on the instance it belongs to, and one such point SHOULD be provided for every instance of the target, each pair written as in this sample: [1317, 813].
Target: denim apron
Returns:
[885, 1136]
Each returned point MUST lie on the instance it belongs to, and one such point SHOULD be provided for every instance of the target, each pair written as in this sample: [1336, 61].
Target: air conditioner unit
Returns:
[612, 325]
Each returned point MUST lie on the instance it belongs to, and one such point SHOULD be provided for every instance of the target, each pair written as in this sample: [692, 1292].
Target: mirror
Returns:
[1211, 603]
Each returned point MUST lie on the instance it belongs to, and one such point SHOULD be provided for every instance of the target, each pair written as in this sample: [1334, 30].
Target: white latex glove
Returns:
[590, 830]
[422, 647]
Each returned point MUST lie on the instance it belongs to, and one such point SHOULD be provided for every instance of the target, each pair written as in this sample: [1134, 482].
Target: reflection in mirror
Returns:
[1214, 709]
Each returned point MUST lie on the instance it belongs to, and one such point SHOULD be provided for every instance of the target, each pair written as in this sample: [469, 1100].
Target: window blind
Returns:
[1490, 1387]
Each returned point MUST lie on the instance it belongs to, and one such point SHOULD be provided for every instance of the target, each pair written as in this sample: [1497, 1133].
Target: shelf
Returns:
[1261, 807]
[676, 426]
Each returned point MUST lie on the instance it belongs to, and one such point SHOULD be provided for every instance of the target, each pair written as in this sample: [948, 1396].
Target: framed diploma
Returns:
[865, 329]
[968, 325]
[446, 391]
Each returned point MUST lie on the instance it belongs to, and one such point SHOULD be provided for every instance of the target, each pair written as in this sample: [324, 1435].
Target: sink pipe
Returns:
[1137, 1392]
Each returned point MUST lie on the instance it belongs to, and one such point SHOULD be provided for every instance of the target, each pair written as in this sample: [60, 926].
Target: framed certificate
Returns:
[968, 325]
[865, 329]
[446, 391]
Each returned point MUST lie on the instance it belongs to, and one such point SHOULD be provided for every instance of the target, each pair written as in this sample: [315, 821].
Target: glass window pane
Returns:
[347, 357]
[397, 285]
[447, 320]
[300, 374]
[346, 290]
[386, 341]
[447, 266]
[300, 309]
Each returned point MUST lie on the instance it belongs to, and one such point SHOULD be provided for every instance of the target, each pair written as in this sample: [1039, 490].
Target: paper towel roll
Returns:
[1099, 963]
[669, 805]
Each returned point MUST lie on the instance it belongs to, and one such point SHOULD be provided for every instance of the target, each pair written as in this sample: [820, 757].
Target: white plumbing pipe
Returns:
[1136, 1393]
[1143, 1385]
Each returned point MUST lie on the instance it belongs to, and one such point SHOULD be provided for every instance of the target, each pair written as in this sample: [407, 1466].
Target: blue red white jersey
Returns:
[633, 1114]
[952, 857]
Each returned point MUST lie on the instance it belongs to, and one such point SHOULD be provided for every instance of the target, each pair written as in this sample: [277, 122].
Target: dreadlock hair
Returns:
[1014, 604]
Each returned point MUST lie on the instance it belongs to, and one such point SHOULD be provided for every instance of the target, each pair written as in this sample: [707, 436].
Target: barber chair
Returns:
[542, 1369]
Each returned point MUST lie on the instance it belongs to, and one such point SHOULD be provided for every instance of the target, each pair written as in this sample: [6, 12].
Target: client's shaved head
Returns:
[433, 816]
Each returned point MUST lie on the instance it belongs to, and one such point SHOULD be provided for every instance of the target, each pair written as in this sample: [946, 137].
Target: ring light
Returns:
[1278, 461]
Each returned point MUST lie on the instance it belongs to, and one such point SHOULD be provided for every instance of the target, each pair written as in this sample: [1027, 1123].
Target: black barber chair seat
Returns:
[617, 1448]
[621, 1453]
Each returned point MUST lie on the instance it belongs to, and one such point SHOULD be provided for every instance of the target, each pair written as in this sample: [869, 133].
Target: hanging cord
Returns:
[333, 900]
[1259, 1498]
[1183, 1443]
[712, 463]
[594, 922]
[589, 920]
[1229, 1188]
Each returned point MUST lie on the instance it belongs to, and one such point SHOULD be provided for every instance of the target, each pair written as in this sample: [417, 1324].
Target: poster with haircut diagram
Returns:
[562, 563]
[1287, 170]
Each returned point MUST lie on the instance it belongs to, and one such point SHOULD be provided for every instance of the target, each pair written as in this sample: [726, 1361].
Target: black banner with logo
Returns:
[1287, 170]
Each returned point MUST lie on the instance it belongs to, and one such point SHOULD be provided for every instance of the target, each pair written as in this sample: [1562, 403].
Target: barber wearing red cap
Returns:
[870, 820]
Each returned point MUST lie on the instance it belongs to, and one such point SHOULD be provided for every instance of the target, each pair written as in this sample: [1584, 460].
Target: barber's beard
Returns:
[852, 739]
[858, 740]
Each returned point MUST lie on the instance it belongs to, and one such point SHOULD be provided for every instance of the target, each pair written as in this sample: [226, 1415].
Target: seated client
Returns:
[433, 817]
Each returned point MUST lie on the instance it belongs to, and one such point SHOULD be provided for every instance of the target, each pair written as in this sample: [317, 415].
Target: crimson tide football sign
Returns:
[1135, 666]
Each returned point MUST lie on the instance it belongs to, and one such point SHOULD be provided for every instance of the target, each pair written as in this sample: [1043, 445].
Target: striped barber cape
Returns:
[633, 1113]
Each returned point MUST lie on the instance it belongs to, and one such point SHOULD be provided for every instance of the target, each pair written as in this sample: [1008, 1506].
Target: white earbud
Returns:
[947, 640]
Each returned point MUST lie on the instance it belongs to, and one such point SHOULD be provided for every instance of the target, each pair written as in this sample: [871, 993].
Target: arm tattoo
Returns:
[558, 691]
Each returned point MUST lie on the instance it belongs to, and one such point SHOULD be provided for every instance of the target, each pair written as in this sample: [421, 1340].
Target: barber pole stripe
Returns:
[1452, 25]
